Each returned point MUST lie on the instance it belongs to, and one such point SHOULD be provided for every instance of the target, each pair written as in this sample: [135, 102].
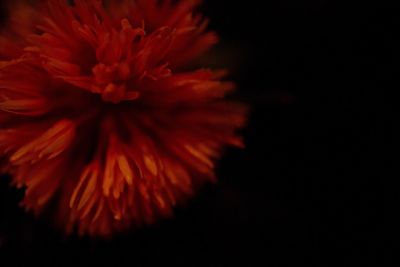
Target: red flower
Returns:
[101, 113]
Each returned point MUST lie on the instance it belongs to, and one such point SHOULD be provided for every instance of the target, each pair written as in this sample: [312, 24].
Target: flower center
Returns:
[111, 80]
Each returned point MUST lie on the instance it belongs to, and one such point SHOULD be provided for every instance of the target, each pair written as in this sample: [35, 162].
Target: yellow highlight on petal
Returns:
[199, 155]
[151, 165]
[125, 169]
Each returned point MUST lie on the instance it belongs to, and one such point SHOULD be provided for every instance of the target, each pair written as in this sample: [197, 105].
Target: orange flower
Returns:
[101, 114]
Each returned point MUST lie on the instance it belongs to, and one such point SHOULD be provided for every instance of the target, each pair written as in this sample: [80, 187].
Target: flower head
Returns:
[102, 114]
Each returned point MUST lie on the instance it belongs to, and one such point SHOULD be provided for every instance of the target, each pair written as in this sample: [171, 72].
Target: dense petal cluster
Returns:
[101, 113]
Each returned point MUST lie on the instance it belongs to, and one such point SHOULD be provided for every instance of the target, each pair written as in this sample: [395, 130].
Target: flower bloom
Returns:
[102, 118]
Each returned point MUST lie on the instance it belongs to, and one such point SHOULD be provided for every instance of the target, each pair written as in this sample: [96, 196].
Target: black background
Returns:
[314, 186]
